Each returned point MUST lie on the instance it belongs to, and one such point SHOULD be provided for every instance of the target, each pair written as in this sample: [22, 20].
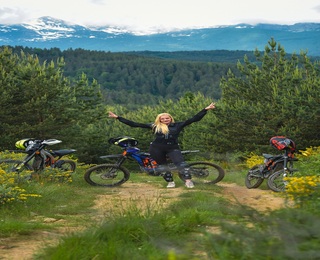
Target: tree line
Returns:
[270, 95]
[148, 77]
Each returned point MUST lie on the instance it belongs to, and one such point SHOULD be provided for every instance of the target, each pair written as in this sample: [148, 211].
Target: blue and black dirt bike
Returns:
[115, 174]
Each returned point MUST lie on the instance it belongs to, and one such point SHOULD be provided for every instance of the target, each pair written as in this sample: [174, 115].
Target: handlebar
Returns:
[51, 141]
[183, 152]
[111, 156]
[190, 151]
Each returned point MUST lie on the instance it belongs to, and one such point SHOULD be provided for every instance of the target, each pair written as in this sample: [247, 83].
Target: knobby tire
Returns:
[106, 175]
[205, 173]
[67, 165]
[11, 164]
[253, 180]
[276, 182]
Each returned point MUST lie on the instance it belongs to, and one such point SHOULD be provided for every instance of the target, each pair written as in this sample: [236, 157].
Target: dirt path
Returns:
[261, 200]
[143, 197]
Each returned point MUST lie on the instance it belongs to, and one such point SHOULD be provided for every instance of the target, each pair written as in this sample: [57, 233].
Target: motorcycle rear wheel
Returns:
[66, 165]
[205, 173]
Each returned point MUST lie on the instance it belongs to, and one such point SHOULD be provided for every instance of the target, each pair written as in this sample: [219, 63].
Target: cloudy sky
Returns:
[145, 15]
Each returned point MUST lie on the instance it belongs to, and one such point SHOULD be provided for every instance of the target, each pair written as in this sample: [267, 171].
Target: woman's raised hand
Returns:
[211, 106]
[112, 115]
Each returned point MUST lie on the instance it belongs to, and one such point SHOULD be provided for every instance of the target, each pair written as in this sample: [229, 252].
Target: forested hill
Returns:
[135, 78]
[220, 56]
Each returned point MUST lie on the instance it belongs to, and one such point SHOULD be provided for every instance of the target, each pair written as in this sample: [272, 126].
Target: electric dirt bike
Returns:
[38, 157]
[275, 167]
[115, 174]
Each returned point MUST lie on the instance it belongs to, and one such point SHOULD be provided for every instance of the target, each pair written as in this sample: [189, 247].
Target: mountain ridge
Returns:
[48, 32]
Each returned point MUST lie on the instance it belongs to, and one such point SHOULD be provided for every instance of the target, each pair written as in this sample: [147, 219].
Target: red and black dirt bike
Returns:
[275, 167]
[38, 157]
[115, 174]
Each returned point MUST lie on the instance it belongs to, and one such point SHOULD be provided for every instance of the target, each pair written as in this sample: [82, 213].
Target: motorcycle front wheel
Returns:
[23, 170]
[15, 166]
[107, 175]
[276, 180]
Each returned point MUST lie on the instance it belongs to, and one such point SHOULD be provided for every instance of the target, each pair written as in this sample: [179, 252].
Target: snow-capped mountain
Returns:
[47, 32]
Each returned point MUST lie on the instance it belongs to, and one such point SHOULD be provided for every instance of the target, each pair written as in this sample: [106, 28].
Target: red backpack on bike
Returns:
[283, 143]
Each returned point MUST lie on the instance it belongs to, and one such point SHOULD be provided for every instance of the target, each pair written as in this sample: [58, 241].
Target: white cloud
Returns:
[144, 14]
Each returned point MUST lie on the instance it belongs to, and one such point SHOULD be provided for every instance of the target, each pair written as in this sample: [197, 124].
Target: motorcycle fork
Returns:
[121, 160]
[27, 159]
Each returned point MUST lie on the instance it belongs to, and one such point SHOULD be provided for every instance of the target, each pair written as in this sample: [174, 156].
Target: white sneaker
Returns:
[171, 184]
[189, 184]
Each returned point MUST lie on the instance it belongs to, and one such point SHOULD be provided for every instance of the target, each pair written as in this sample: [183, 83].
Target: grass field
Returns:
[143, 220]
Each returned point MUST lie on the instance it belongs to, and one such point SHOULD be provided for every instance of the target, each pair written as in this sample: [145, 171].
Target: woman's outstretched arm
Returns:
[129, 122]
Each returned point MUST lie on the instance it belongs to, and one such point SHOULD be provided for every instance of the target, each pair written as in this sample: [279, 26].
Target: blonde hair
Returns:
[159, 127]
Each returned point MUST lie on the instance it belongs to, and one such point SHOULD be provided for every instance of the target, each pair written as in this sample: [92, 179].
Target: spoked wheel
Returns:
[205, 173]
[107, 175]
[254, 177]
[14, 166]
[66, 165]
[276, 181]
